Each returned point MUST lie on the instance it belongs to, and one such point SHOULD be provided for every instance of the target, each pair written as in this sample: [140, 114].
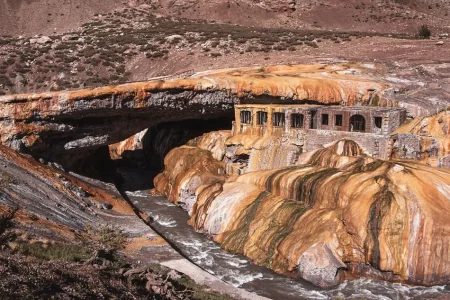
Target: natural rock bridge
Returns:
[62, 126]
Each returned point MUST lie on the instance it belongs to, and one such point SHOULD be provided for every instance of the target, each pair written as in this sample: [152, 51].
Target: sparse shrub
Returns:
[73, 253]
[6, 82]
[424, 32]
[108, 237]
[114, 77]
[6, 217]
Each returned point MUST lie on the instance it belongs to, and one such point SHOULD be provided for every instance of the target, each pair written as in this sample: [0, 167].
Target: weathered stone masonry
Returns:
[312, 126]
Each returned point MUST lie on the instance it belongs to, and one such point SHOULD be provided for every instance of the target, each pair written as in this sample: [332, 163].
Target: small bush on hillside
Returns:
[6, 222]
[424, 32]
[73, 253]
[108, 238]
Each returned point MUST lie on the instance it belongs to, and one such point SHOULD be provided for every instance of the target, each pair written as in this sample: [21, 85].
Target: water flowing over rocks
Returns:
[336, 214]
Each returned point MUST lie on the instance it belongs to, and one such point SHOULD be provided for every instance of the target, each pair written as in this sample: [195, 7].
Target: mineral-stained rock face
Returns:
[336, 215]
[188, 169]
[64, 125]
[132, 143]
[57, 206]
[57, 196]
[430, 135]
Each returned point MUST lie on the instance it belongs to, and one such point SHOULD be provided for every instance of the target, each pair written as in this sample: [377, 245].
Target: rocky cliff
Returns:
[430, 134]
[336, 214]
[51, 125]
[57, 206]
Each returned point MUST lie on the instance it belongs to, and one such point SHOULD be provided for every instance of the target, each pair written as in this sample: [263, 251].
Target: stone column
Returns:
[287, 123]
[269, 120]
[237, 118]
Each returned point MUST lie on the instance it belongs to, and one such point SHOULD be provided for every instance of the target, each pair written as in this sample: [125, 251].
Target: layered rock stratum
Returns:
[335, 214]
[50, 125]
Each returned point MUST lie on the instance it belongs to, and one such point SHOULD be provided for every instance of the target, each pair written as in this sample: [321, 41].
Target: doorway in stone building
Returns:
[357, 123]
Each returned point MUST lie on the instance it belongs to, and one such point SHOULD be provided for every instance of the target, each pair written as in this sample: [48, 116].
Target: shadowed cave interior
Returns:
[136, 169]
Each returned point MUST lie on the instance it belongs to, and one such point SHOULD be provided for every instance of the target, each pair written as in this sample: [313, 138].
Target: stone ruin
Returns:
[294, 129]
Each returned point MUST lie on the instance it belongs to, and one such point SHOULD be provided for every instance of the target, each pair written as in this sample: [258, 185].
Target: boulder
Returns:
[41, 40]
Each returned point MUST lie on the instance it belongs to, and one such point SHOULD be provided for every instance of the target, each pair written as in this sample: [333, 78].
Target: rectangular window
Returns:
[378, 122]
[297, 120]
[261, 118]
[246, 117]
[278, 119]
[338, 120]
[324, 119]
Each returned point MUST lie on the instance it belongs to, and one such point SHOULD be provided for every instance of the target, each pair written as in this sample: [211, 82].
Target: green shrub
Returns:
[424, 32]
[73, 253]
[108, 237]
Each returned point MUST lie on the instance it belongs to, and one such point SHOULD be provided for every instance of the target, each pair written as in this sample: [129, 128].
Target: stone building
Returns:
[312, 126]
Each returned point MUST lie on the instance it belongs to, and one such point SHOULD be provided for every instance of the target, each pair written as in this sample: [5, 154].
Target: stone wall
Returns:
[391, 118]
[312, 135]
[372, 144]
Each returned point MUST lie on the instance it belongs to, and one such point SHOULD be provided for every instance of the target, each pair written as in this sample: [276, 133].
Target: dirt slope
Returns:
[31, 17]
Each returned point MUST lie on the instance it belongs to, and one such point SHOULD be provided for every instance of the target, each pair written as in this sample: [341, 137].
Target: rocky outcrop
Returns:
[426, 139]
[58, 206]
[133, 143]
[64, 126]
[337, 214]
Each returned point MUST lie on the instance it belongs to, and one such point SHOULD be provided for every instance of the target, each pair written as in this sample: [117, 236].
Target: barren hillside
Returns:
[29, 17]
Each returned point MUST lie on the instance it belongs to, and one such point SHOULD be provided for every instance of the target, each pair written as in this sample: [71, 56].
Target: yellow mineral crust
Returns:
[324, 83]
[214, 142]
[344, 153]
[437, 126]
[110, 114]
[187, 168]
[429, 129]
[338, 209]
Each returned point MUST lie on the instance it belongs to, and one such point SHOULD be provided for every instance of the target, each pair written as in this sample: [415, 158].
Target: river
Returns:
[170, 221]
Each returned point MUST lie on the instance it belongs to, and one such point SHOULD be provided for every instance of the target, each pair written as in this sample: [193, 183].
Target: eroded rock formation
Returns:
[336, 214]
[426, 139]
[63, 126]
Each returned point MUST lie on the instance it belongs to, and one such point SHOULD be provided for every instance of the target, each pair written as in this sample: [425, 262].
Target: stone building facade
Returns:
[312, 126]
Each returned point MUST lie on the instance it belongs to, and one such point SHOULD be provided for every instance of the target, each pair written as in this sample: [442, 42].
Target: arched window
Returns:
[297, 120]
[357, 123]
[278, 119]
[246, 117]
[261, 118]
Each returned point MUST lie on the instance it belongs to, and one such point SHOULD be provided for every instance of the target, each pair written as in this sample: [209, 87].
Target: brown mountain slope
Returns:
[31, 17]
[366, 15]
